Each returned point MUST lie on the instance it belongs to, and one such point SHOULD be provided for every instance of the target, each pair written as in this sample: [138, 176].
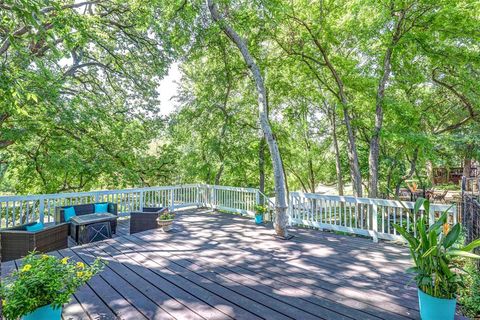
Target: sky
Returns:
[168, 88]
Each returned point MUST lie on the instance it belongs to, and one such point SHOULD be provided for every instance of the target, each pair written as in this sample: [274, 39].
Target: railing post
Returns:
[213, 198]
[431, 216]
[172, 199]
[375, 222]
[290, 209]
[197, 197]
[41, 208]
[141, 201]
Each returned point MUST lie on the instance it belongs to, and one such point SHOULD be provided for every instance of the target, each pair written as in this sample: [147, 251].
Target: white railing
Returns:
[233, 199]
[362, 216]
[15, 210]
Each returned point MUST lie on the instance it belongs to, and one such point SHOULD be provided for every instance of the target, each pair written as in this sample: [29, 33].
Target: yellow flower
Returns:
[26, 267]
[79, 274]
[4, 302]
[80, 265]
[446, 228]
[88, 274]
[64, 260]
[45, 257]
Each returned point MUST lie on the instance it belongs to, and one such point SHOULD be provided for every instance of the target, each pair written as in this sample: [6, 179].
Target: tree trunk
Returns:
[373, 156]
[430, 172]
[338, 165]
[278, 172]
[353, 156]
[413, 166]
[261, 165]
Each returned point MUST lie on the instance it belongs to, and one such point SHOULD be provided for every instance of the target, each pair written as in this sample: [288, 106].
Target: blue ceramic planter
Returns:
[432, 308]
[258, 219]
[44, 313]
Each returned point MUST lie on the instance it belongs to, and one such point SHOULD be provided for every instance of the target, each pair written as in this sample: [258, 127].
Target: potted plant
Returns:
[259, 212]
[433, 249]
[165, 221]
[42, 285]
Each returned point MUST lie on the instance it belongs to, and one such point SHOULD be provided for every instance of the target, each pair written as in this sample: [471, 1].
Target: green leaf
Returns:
[440, 222]
[452, 236]
[472, 245]
[418, 204]
[429, 252]
[461, 253]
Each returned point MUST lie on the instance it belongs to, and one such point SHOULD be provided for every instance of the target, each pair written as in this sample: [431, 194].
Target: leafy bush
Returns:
[43, 280]
[433, 249]
[469, 295]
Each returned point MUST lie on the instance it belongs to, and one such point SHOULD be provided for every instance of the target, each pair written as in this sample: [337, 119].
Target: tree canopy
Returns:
[359, 92]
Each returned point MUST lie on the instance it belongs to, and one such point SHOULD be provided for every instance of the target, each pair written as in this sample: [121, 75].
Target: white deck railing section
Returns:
[362, 216]
[15, 210]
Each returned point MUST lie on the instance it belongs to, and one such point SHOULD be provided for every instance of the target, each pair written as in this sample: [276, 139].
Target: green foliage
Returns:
[260, 210]
[469, 295]
[79, 96]
[433, 249]
[167, 216]
[43, 280]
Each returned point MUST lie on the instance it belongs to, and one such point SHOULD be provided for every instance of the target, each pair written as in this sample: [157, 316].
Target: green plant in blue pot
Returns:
[434, 249]
[40, 287]
[259, 212]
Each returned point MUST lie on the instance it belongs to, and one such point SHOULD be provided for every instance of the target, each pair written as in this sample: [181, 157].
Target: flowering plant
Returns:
[260, 210]
[43, 280]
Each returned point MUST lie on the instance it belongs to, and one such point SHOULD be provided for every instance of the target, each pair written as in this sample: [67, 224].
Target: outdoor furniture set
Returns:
[84, 223]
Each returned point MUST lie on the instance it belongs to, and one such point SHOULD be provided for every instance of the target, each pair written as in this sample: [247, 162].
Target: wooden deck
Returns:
[220, 266]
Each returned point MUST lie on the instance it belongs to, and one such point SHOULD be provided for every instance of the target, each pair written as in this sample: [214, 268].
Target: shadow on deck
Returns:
[221, 266]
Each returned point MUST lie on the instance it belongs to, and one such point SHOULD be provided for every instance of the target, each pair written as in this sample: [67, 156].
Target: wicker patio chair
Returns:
[17, 242]
[146, 219]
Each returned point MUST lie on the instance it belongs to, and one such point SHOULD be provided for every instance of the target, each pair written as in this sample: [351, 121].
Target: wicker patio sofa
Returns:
[88, 208]
[146, 219]
[17, 242]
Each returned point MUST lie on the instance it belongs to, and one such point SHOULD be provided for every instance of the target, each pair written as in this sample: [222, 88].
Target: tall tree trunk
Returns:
[342, 96]
[261, 165]
[430, 172]
[338, 165]
[467, 161]
[413, 166]
[373, 157]
[278, 171]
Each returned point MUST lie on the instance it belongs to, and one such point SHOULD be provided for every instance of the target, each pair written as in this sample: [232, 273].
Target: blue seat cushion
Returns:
[101, 207]
[35, 227]
[69, 213]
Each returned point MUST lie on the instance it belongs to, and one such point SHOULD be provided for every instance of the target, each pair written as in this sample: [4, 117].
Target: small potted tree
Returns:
[259, 213]
[42, 285]
[165, 220]
[434, 249]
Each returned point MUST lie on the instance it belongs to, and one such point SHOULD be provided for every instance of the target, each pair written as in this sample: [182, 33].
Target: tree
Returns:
[281, 219]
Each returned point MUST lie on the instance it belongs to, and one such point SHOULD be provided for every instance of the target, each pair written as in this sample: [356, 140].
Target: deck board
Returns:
[221, 266]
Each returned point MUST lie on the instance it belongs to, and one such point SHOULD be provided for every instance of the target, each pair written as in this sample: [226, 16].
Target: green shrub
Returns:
[469, 295]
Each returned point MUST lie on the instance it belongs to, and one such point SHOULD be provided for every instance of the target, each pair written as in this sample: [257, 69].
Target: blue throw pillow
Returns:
[101, 207]
[35, 227]
[69, 213]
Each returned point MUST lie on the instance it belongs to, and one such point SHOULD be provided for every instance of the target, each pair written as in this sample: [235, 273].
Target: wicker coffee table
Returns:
[91, 227]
